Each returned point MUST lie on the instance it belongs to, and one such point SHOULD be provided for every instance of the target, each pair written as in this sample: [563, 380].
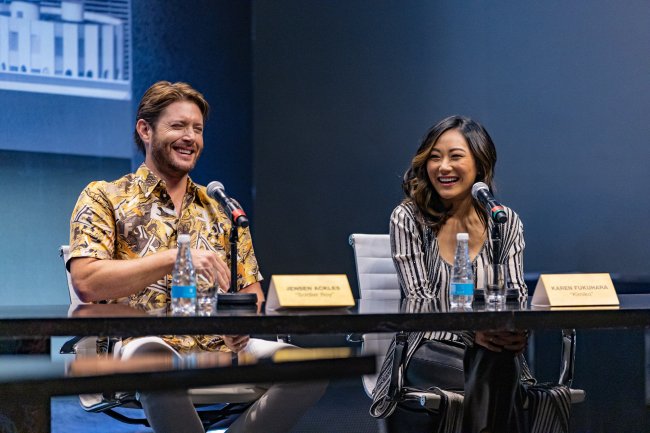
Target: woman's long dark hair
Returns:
[417, 186]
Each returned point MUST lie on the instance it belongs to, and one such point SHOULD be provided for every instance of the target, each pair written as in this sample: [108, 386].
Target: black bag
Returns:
[436, 364]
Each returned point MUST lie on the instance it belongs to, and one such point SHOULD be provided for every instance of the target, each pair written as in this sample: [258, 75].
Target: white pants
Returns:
[278, 408]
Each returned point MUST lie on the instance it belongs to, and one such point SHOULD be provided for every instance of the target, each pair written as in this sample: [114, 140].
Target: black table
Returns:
[34, 375]
[367, 316]
[27, 382]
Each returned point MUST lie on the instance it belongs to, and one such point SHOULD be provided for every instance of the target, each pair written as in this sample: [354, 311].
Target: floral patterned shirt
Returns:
[134, 217]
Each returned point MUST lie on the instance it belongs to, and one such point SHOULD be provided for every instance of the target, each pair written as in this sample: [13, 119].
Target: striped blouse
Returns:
[422, 271]
[424, 274]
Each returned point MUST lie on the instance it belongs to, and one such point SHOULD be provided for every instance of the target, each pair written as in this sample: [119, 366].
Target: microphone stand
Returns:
[234, 239]
[232, 298]
[495, 237]
[496, 243]
[496, 258]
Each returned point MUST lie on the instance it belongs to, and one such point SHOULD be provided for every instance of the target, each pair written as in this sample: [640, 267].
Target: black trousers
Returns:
[493, 396]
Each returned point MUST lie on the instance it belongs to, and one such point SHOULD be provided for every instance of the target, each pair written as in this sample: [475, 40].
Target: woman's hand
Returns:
[236, 343]
[497, 341]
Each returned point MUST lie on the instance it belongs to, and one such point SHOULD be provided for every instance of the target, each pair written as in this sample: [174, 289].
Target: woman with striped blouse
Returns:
[456, 153]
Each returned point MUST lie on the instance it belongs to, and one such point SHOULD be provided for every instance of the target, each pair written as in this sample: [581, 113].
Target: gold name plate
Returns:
[309, 291]
[571, 290]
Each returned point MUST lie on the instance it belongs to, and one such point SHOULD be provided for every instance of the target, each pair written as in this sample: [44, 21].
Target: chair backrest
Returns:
[377, 280]
[375, 269]
[64, 252]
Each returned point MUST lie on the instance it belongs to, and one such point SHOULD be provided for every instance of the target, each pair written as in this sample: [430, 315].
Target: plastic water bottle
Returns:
[461, 289]
[183, 280]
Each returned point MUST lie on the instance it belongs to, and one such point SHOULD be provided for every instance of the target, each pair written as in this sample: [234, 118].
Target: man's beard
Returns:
[164, 161]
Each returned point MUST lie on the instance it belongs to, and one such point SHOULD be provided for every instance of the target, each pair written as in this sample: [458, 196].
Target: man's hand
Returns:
[212, 267]
[497, 341]
[236, 343]
[95, 280]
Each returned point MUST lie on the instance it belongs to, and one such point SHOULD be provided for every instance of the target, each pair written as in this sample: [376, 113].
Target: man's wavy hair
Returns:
[417, 186]
[160, 96]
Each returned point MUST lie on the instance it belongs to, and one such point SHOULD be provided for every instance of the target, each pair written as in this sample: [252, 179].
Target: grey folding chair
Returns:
[218, 405]
[378, 280]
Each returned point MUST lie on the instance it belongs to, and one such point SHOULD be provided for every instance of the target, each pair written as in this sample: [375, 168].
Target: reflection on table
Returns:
[23, 374]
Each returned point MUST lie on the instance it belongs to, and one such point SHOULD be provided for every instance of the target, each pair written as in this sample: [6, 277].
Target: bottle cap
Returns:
[462, 237]
[184, 238]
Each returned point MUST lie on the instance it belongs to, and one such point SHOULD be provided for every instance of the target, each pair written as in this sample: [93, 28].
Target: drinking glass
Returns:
[205, 294]
[495, 283]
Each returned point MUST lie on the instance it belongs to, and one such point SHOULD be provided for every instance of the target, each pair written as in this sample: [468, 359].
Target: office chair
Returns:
[217, 406]
[377, 279]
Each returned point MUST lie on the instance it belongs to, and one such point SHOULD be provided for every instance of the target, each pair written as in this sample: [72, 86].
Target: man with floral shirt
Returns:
[123, 237]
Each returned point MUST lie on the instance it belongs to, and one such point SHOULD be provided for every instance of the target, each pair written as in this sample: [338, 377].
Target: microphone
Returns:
[232, 299]
[236, 213]
[482, 194]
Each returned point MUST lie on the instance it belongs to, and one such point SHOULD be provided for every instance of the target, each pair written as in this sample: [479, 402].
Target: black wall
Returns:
[344, 90]
[206, 43]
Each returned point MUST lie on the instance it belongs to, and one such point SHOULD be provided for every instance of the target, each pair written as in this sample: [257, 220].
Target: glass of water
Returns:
[205, 294]
[495, 283]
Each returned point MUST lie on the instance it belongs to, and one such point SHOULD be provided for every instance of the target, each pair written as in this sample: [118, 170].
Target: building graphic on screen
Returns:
[69, 47]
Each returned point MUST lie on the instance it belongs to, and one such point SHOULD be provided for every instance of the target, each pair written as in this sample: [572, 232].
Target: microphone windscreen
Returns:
[214, 186]
[477, 187]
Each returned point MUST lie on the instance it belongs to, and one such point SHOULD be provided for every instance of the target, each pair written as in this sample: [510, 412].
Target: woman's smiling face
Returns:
[451, 167]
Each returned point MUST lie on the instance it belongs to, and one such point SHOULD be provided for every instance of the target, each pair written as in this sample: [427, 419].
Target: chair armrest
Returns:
[577, 395]
[399, 357]
[69, 347]
[427, 400]
[567, 365]
[354, 338]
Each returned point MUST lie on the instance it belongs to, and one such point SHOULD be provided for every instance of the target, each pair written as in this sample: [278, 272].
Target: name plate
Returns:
[295, 354]
[309, 291]
[570, 290]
